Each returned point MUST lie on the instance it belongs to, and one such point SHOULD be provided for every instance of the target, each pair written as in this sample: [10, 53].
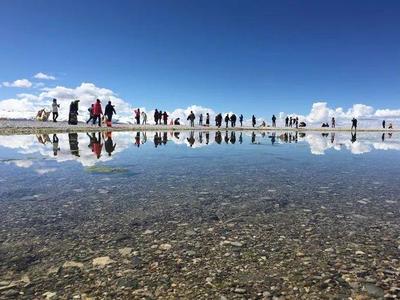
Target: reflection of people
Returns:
[240, 138]
[383, 137]
[207, 137]
[253, 137]
[191, 139]
[109, 145]
[74, 144]
[43, 138]
[233, 137]
[137, 139]
[273, 138]
[218, 137]
[332, 137]
[55, 145]
[226, 137]
[353, 137]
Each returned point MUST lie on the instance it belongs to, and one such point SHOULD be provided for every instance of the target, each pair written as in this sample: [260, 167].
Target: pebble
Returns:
[102, 261]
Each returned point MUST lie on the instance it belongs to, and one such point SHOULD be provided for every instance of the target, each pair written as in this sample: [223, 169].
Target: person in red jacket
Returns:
[97, 112]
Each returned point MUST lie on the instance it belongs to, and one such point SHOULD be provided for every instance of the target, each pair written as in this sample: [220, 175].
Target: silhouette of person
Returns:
[165, 117]
[354, 124]
[200, 137]
[156, 140]
[273, 121]
[207, 119]
[165, 138]
[201, 120]
[273, 138]
[333, 123]
[290, 122]
[156, 116]
[191, 118]
[253, 120]
[240, 138]
[109, 144]
[383, 137]
[332, 137]
[74, 144]
[207, 138]
[241, 120]
[109, 111]
[233, 120]
[55, 145]
[227, 120]
[287, 122]
[383, 124]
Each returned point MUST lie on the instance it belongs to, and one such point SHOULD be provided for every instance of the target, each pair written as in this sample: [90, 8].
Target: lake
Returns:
[200, 215]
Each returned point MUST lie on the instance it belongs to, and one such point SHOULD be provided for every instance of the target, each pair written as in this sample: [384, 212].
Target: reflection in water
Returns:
[318, 143]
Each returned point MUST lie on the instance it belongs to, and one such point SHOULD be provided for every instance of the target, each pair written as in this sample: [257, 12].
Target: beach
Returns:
[8, 127]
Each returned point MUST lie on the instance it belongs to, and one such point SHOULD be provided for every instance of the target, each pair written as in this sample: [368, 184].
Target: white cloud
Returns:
[20, 83]
[43, 76]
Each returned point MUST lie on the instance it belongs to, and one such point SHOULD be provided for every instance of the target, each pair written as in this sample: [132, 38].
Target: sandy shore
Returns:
[8, 127]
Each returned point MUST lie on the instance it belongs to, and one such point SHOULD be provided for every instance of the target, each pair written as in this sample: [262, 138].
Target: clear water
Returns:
[200, 215]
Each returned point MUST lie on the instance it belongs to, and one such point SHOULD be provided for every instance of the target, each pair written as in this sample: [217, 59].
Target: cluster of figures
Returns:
[96, 115]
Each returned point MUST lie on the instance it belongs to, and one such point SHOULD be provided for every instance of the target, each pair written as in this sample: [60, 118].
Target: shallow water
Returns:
[200, 215]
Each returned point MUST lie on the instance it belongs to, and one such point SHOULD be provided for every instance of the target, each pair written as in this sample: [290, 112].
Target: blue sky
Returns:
[243, 56]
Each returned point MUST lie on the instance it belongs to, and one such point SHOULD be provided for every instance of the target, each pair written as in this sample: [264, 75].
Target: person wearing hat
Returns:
[97, 112]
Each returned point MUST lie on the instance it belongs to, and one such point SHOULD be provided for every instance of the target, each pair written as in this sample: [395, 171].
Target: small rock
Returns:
[72, 264]
[49, 295]
[102, 261]
[239, 291]
[125, 251]
[165, 247]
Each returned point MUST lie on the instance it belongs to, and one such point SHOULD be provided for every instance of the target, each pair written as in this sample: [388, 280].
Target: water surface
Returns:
[200, 215]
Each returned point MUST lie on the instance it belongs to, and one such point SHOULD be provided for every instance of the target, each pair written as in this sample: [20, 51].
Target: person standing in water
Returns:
[253, 120]
[233, 120]
[273, 121]
[55, 107]
[156, 116]
[227, 120]
[97, 112]
[191, 118]
[109, 111]
[144, 118]
[241, 120]
[354, 124]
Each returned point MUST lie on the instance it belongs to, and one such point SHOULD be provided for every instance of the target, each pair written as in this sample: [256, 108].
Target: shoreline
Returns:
[18, 127]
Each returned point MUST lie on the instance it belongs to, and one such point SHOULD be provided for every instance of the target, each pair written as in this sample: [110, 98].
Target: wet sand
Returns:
[8, 127]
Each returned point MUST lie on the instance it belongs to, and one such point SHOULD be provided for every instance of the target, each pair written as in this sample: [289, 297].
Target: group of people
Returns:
[96, 115]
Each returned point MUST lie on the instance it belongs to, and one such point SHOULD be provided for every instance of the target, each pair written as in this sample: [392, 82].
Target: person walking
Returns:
[156, 116]
[109, 111]
[144, 118]
[354, 124]
[97, 112]
[253, 120]
[227, 120]
[90, 110]
[55, 107]
[241, 120]
[201, 120]
[191, 118]
[333, 122]
[207, 119]
[273, 121]
[233, 120]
